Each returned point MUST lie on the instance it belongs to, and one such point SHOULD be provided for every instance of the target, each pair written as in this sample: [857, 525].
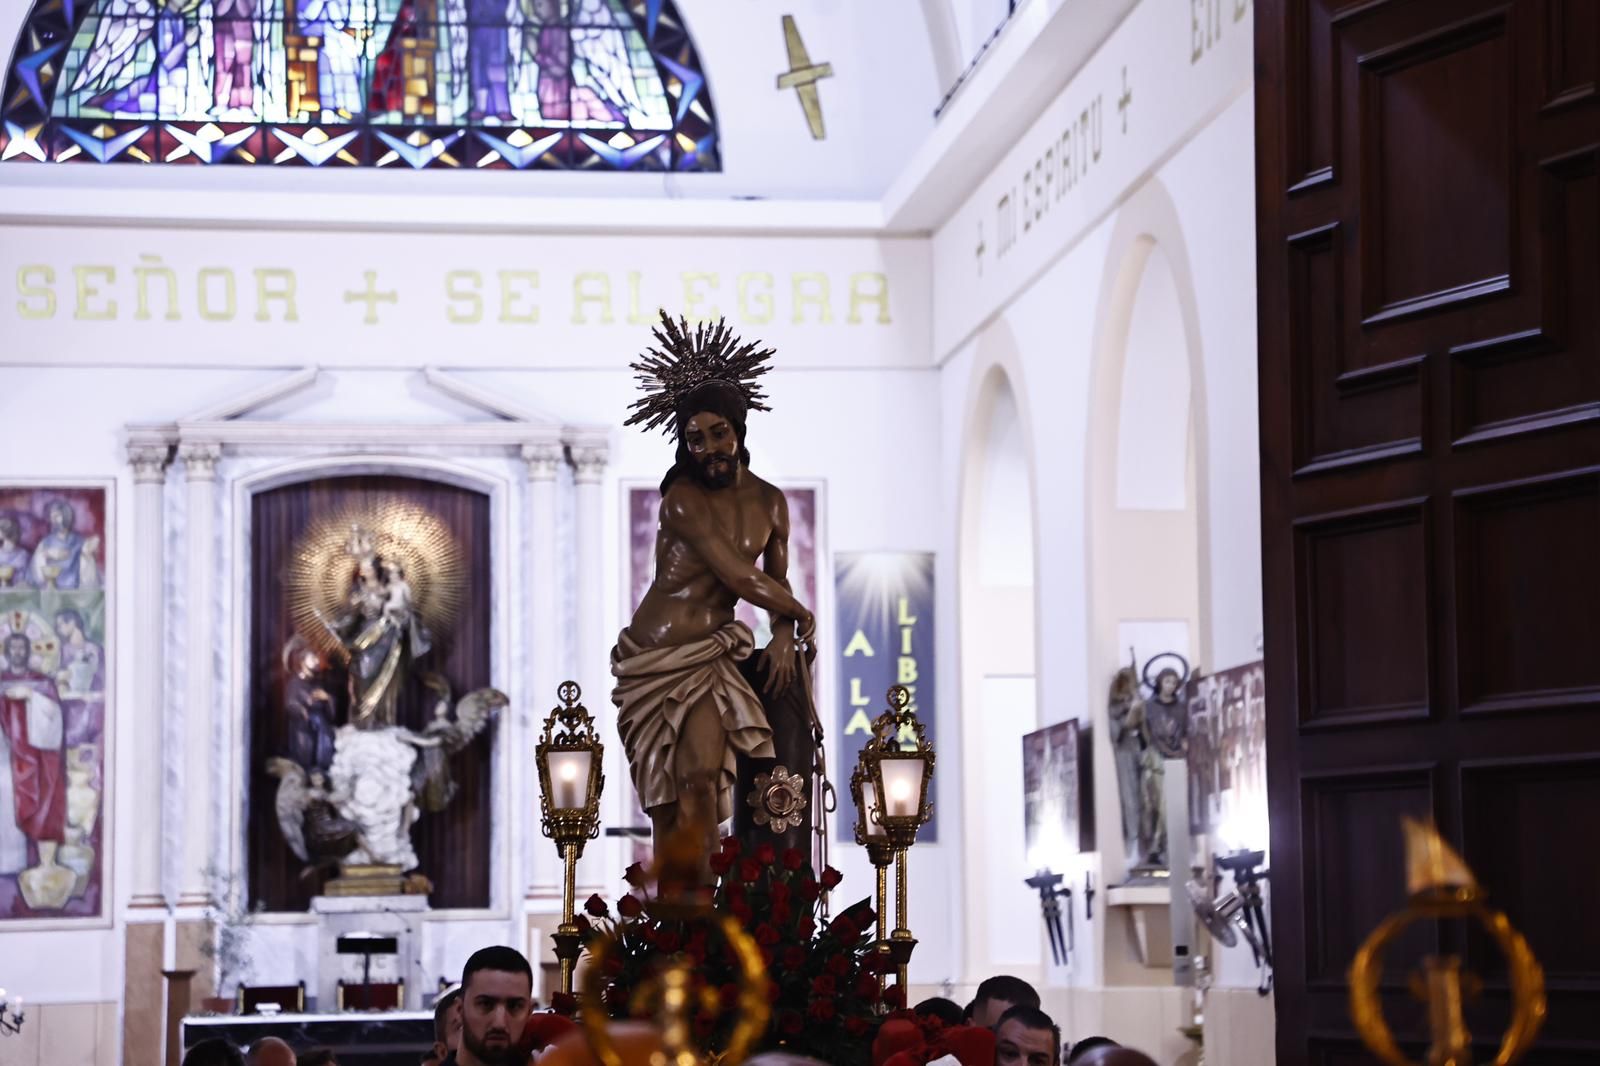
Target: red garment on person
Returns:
[36, 773]
[906, 1042]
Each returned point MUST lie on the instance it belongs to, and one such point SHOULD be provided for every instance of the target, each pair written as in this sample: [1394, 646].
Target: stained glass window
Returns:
[524, 84]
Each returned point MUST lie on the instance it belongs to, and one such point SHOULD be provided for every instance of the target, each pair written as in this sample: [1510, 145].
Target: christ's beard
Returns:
[717, 472]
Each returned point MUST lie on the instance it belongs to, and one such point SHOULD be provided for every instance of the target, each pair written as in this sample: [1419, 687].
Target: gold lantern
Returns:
[891, 787]
[571, 777]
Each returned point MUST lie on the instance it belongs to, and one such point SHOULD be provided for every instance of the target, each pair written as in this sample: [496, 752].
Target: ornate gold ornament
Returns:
[323, 566]
[779, 799]
[1443, 888]
[571, 762]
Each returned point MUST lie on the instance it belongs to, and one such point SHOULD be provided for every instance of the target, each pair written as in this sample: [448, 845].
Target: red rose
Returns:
[596, 906]
[808, 890]
[807, 927]
[635, 875]
[749, 871]
[793, 858]
[766, 854]
[780, 892]
[584, 926]
[629, 906]
[790, 1023]
[781, 913]
[766, 935]
[822, 1010]
[721, 863]
[823, 985]
[767, 956]
[774, 992]
[895, 997]
[839, 966]
[730, 846]
[831, 878]
[867, 987]
[856, 1025]
[564, 1003]
[734, 894]
[844, 930]
[794, 957]
[741, 910]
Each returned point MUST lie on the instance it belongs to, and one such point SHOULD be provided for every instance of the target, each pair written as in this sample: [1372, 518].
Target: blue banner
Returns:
[883, 607]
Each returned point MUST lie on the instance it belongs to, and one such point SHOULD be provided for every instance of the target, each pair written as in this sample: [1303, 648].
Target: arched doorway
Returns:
[998, 662]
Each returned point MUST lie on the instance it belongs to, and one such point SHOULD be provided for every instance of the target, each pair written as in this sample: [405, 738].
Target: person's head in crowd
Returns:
[317, 1056]
[1109, 1054]
[998, 995]
[213, 1052]
[1088, 1044]
[947, 1011]
[1026, 1036]
[270, 1051]
[496, 996]
[446, 1024]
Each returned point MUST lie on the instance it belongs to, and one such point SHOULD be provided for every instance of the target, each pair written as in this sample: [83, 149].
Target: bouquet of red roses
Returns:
[824, 977]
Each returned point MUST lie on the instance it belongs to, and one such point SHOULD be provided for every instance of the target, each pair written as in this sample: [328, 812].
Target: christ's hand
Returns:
[778, 659]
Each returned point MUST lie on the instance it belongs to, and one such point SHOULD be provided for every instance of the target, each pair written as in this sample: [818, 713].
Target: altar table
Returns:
[358, 1038]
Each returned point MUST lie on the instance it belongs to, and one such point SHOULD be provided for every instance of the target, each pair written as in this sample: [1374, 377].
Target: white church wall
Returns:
[1024, 269]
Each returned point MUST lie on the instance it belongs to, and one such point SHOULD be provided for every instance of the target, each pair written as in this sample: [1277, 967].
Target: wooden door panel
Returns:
[1428, 227]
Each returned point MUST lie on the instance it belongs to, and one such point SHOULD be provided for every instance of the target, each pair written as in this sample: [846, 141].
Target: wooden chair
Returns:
[291, 999]
[376, 996]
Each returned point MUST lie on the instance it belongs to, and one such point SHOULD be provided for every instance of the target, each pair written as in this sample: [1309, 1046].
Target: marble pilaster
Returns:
[200, 708]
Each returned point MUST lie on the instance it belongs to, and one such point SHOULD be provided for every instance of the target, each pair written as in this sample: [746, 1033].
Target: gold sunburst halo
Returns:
[320, 572]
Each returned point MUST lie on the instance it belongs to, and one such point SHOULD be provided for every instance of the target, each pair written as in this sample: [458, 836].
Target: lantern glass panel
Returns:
[569, 779]
[869, 801]
[902, 785]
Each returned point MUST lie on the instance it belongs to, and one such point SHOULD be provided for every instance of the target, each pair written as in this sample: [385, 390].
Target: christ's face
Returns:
[714, 446]
[17, 652]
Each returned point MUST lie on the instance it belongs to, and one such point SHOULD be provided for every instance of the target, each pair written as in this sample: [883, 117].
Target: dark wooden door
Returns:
[1428, 225]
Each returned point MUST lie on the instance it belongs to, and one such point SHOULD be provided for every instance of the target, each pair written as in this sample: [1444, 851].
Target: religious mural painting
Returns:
[1050, 794]
[883, 615]
[529, 84]
[54, 638]
[643, 505]
[1228, 756]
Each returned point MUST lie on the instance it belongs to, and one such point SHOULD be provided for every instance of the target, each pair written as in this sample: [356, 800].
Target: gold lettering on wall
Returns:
[591, 286]
[1206, 24]
[810, 288]
[275, 283]
[755, 308]
[203, 288]
[692, 297]
[42, 292]
[510, 299]
[463, 287]
[869, 287]
[636, 317]
[150, 266]
[87, 292]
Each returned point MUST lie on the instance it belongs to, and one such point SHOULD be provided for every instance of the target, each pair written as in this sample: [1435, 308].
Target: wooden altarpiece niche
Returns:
[452, 845]
[1428, 227]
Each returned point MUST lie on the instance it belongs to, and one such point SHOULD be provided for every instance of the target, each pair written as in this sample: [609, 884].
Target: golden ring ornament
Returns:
[670, 995]
[323, 566]
[1442, 888]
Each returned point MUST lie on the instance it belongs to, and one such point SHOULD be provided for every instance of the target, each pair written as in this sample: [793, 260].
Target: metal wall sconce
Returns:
[11, 1015]
[1051, 893]
[1238, 911]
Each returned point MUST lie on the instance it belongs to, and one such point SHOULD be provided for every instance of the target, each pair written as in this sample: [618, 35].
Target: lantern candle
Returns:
[902, 784]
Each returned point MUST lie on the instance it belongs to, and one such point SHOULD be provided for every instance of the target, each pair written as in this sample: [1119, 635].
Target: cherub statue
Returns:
[443, 736]
[316, 833]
